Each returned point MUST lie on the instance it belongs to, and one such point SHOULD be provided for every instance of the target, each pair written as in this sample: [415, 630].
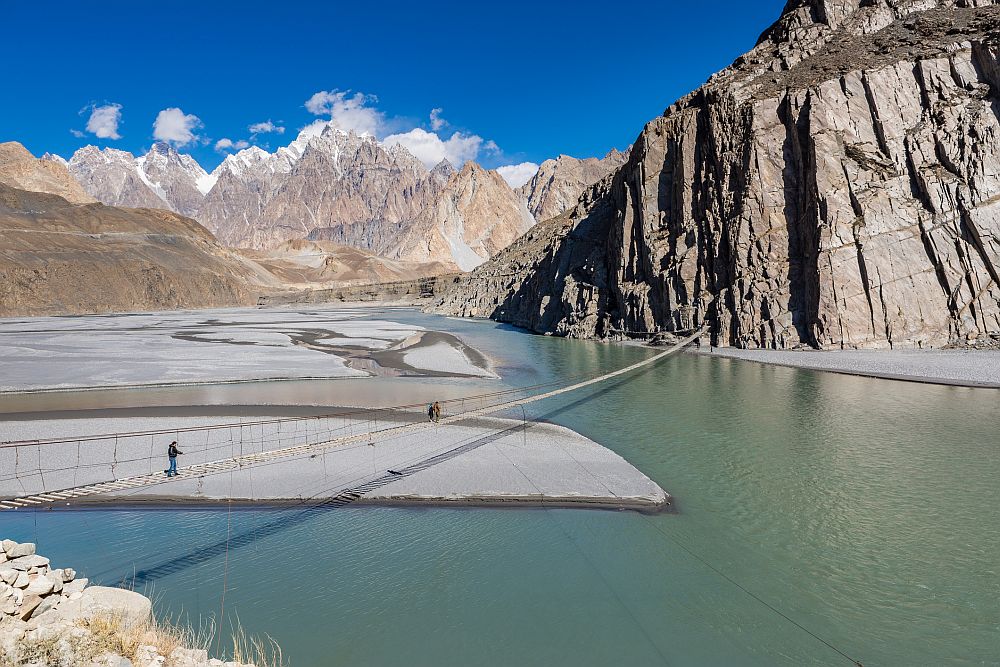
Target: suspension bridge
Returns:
[60, 471]
[109, 455]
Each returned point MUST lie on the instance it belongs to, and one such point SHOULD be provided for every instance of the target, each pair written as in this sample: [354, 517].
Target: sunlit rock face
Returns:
[20, 169]
[837, 186]
[162, 178]
[560, 182]
[475, 216]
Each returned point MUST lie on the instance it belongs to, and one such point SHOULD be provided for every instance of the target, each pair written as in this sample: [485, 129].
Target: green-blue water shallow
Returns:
[866, 510]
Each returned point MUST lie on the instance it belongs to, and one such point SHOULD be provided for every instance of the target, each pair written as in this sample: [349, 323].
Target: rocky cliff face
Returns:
[234, 207]
[177, 178]
[838, 186]
[63, 258]
[347, 189]
[560, 182]
[20, 169]
[475, 216]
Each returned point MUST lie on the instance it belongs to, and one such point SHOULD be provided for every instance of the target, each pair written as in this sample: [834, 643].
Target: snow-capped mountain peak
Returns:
[52, 157]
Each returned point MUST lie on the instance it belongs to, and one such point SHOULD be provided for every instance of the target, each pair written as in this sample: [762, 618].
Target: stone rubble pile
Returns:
[29, 587]
[45, 614]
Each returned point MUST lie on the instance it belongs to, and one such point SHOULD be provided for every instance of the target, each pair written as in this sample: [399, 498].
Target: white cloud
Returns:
[314, 129]
[77, 133]
[430, 149]
[517, 175]
[103, 121]
[346, 111]
[226, 144]
[266, 127]
[437, 122]
[175, 126]
[354, 111]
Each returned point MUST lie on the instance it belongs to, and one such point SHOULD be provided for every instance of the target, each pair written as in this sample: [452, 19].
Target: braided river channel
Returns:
[816, 516]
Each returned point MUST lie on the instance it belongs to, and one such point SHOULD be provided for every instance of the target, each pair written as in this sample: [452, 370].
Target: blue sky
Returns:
[518, 81]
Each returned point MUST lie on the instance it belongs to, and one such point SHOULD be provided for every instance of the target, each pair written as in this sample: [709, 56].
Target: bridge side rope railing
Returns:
[122, 451]
[278, 420]
[329, 435]
[114, 449]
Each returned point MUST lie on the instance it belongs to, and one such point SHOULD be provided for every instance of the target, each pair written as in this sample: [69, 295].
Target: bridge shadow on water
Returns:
[293, 516]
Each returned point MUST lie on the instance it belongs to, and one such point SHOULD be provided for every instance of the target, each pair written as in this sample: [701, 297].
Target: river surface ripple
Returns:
[864, 509]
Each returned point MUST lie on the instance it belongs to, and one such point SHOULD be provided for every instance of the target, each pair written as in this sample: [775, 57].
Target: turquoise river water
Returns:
[864, 510]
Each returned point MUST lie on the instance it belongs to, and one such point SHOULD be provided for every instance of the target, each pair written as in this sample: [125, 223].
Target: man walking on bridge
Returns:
[172, 453]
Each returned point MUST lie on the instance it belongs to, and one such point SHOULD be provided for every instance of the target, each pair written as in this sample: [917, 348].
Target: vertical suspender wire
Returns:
[114, 464]
[77, 468]
[225, 566]
[17, 466]
[41, 475]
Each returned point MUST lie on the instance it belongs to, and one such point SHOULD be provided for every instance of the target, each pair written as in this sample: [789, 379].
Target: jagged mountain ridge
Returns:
[330, 185]
[162, 178]
[559, 183]
[837, 186]
[350, 187]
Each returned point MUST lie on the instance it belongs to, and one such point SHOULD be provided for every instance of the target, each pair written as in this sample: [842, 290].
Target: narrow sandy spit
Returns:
[475, 462]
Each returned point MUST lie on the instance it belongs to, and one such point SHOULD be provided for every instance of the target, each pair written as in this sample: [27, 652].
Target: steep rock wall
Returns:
[838, 186]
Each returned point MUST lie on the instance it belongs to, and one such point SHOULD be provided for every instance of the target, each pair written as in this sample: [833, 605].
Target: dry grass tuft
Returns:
[112, 633]
[252, 650]
[43, 651]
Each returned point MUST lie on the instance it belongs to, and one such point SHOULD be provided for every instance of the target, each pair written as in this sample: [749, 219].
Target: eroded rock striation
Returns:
[837, 186]
[474, 216]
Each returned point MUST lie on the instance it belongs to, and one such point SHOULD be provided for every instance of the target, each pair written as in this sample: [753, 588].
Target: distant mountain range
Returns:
[342, 187]
[371, 214]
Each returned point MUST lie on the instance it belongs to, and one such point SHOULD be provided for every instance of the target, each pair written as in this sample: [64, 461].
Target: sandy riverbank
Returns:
[481, 462]
[223, 346]
[967, 368]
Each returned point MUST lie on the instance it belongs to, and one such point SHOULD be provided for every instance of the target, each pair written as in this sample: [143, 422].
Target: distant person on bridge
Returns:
[437, 412]
[430, 412]
[172, 453]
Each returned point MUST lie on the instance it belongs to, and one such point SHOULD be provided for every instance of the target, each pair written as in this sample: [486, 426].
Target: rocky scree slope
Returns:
[20, 169]
[837, 186]
[320, 264]
[62, 258]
